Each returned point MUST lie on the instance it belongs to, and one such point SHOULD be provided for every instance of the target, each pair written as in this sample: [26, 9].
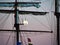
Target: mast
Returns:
[16, 22]
[57, 16]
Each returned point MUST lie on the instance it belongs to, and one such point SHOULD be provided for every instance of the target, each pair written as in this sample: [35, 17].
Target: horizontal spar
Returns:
[23, 12]
[28, 31]
[19, 2]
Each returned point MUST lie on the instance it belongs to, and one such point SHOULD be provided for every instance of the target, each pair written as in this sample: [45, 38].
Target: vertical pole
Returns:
[58, 30]
[56, 6]
[16, 22]
[57, 16]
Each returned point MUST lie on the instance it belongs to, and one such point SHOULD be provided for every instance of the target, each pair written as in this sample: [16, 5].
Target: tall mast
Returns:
[57, 16]
[16, 22]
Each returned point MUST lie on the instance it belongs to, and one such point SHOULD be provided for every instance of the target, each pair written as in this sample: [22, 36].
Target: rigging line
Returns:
[21, 38]
[8, 39]
[50, 29]
[51, 38]
[13, 38]
[1, 21]
[6, 19]
[51, 16]
[12, 18]
[52, 21]
[54, 35]
[51, 12]
[55, 31]
[45, 1]
[11, 32]
[47, 20]
[47, 17]
[2, 17]
[52, 4]
[12, 23]
[40, 22]
[43, 8]
[24, 38]
[45, 5]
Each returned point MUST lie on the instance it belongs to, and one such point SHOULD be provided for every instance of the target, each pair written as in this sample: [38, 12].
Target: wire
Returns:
[45, 1]
[50, 9]
[50, 21]
[21, 38]
[8, 39]
[50, 28]
[52, 18]
[47, 20]
[25, 35]
[54, 34]
[4, 19]
[1, 20]
[4, 22]
[24, 38]
[39, 21]
[44, 10]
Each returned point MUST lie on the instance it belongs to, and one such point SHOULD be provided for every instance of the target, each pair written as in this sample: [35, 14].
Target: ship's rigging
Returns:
[16, 12]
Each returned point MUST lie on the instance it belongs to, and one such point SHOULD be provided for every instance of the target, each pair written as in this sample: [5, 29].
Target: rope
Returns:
[11, 33]
[39, 22]
[24, 38]
[6, 18]
[8, 39]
